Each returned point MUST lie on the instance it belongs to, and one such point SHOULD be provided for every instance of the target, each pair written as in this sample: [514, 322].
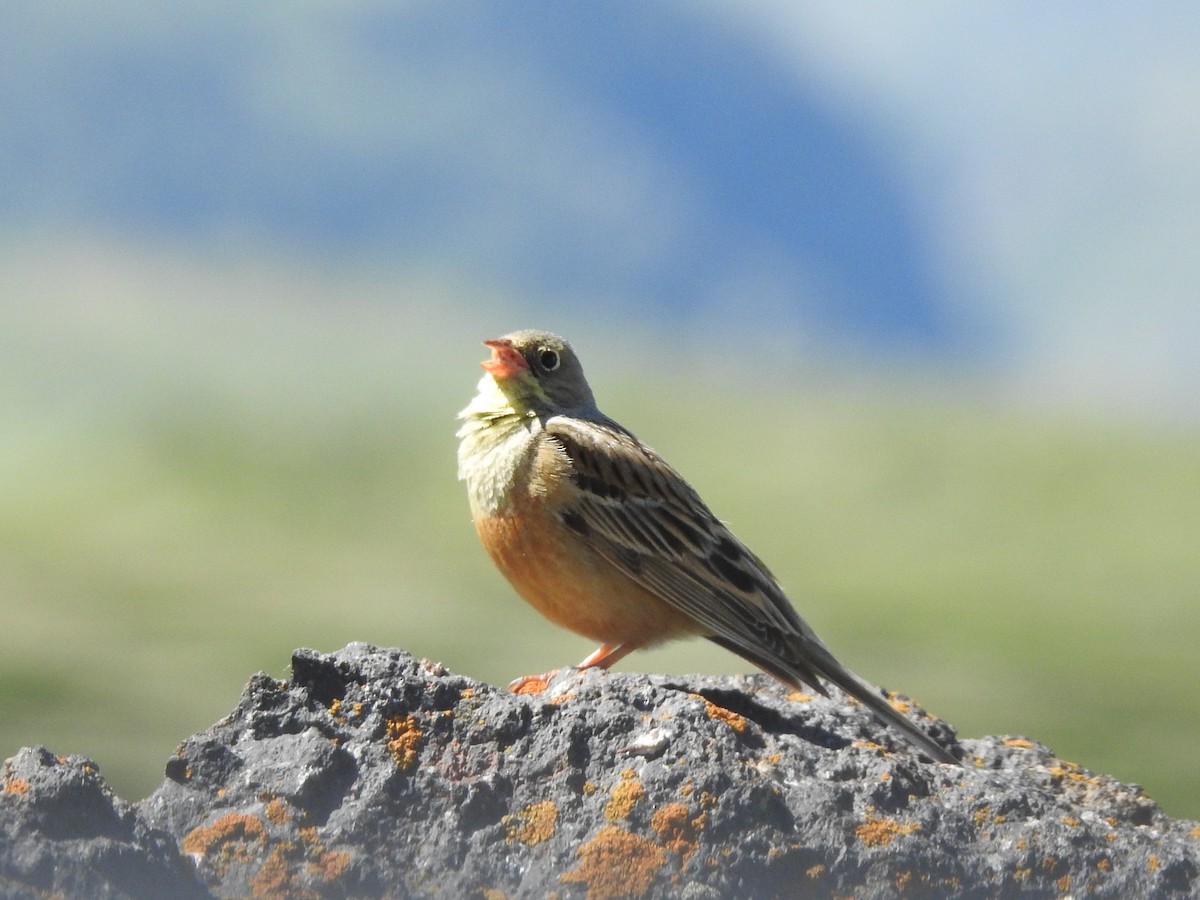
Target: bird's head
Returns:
[539, 373]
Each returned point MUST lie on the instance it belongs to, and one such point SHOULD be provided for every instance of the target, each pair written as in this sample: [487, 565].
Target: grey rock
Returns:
[64, 834]
[374, 774]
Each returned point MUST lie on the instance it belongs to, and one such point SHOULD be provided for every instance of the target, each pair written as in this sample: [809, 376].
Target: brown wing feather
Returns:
[644, 518]
[641, 516]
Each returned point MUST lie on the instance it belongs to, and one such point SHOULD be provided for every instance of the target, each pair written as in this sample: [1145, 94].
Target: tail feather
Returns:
[873, 700]
[816, 663]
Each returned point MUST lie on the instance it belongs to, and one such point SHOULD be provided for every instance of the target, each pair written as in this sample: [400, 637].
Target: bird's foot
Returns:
[533, 684]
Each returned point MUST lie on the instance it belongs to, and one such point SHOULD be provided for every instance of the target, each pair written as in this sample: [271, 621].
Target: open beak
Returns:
[506, 361]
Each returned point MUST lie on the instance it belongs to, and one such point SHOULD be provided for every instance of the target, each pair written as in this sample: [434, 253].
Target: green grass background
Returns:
[189, 489]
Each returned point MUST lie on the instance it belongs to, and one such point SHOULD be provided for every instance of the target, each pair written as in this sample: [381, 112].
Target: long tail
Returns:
[816, 662]
[871, 698]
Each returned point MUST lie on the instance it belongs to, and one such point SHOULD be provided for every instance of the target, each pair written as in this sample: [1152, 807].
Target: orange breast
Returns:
[564, 579]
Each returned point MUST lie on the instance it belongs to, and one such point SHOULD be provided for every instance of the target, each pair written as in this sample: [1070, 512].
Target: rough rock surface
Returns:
[371, 773]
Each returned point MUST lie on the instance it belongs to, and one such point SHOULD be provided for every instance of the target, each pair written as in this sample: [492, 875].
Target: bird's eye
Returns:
[548, 359]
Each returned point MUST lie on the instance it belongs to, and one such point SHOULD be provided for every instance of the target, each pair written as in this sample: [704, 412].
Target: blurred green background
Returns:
[192, 489]
[907, 292]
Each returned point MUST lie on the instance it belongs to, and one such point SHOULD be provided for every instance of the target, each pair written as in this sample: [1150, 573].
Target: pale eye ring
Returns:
[548, 359]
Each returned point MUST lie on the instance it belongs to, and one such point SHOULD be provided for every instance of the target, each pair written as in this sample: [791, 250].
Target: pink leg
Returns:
[602, 657]
[605, 655]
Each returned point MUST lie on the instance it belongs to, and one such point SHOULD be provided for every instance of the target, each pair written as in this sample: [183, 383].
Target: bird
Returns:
[602, 537]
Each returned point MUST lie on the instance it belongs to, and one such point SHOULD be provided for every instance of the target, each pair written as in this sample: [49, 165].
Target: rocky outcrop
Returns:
[370, 773]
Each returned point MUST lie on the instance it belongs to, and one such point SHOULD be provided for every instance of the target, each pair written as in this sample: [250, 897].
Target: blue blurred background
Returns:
[910, 293]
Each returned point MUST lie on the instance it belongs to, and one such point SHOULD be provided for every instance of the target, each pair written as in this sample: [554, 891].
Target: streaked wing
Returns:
[643, 517]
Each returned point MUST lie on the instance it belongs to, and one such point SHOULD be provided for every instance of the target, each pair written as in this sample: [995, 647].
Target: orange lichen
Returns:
[721, 714]
[625, 795]
[675, 829]
[492, 894]
[870, 745]
[225, 840]
[16, 786]
[1153, 862]
[1072, 772]
[800, 697]
[876, 832]
[617, 864]
[1063, 884]
[230, 827]
[243, 839]
[1019, 742]
[404, 739]
[1104, 864]
[533, 824]
[290, 869]
[328, 864]
[1071, 821]
[277, 812]
[815, 872]
[1195, 832]
[275, 879]
[532, 686]
[898, 704]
